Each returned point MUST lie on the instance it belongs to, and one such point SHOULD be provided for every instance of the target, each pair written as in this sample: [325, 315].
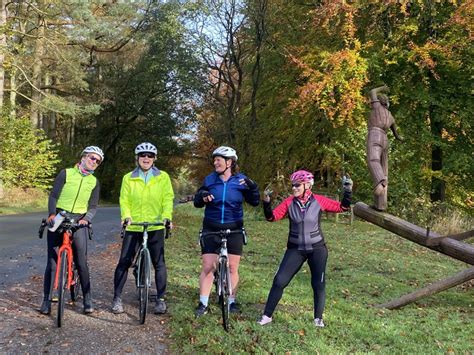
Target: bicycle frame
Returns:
[65, 246]
[222, 278]
[139, 261]
[224, 259]
[143, 285]
[68, 227]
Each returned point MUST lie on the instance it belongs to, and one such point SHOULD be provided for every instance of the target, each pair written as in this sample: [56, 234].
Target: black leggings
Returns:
[289, 266]
[79, 251]
[130, 245]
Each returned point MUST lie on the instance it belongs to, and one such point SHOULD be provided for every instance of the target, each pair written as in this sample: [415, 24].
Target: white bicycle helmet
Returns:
[95, 150]
[226, 152]
[146, 147]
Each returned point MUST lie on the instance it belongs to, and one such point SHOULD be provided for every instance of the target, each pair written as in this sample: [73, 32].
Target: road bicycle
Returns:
[222, 281]
[66, 278]
[142, 266]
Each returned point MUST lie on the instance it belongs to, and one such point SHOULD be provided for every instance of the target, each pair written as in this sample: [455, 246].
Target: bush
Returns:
[28, 157]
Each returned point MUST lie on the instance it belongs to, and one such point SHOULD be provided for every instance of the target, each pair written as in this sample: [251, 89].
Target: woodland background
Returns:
[284, 82]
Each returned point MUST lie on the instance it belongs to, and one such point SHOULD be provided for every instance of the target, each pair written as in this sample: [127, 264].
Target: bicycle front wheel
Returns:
[62, 287]
[144, 264]
[224, 292]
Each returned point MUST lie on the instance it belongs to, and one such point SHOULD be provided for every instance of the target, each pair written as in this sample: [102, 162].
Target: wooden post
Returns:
[445, 245]
[436, 287]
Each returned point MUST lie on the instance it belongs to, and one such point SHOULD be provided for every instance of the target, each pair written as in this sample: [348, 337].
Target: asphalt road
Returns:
[23, 254]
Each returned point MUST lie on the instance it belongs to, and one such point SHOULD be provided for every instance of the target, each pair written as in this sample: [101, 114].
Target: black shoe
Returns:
[88, 308]
[45, 307]
[160, 307]
[201, 310]
[234, 307]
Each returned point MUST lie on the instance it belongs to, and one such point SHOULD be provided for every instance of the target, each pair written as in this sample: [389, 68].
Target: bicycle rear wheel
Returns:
[62, 285]
[75, 286]
[224, 292]
[144, 265]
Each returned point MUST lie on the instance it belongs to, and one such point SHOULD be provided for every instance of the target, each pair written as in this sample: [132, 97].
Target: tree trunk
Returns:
[445, 245]
[429, 290]
[437, 185]
[3, 45]
[13, 76]
[36, 77]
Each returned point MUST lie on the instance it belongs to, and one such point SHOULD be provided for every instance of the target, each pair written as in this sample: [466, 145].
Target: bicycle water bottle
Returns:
[58, 219]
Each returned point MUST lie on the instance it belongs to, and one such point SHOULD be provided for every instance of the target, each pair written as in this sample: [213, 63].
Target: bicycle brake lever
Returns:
[91, 231]
[41, 228]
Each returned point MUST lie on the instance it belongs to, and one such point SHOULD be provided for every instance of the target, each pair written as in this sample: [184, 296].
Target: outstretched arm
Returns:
[373, 93]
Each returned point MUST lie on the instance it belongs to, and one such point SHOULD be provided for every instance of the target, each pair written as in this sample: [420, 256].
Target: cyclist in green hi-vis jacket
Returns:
[75, 191]
[146, 195]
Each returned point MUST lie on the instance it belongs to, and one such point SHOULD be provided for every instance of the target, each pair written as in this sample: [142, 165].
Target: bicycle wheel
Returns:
[143, 283]
[62, 285]
[75, 286]
[224, 292]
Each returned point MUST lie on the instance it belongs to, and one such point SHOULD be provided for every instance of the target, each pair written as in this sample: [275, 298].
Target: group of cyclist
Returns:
[147, 195]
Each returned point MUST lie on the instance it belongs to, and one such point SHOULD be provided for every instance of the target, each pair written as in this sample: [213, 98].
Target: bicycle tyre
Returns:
[216, 284]
[224, 292]
[75, 286]
[144, 264]
[62, 285]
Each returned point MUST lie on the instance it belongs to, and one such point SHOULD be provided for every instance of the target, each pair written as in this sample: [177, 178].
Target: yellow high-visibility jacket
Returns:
[150, 202]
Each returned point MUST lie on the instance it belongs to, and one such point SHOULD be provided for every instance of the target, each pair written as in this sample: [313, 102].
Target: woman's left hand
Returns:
[83, 221]
[250, 183]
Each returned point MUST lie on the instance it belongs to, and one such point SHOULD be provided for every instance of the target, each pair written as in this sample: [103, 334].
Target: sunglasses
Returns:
[95, 160]
[146, 155]
[296, 185]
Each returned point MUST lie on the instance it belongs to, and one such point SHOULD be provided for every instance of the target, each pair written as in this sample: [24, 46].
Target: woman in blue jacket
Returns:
[223, 193]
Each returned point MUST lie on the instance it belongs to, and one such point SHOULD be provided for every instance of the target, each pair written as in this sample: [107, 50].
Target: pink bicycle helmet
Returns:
[302, 176]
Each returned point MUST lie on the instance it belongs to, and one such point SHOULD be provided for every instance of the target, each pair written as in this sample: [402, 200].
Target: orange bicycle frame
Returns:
[66, 245]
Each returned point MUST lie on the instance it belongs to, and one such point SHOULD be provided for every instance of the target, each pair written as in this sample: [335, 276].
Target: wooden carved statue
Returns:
[380, 121]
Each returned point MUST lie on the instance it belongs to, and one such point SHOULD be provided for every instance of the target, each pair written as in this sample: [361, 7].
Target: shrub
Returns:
[28, 157]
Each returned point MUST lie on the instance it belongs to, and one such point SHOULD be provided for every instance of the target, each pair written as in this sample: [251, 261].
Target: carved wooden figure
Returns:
[380, 121]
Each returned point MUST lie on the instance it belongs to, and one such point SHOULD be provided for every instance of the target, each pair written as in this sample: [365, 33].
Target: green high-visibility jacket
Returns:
[150, 202]
[76, 192]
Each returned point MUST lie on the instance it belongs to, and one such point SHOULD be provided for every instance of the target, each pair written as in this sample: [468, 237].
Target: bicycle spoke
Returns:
[62, 287]
[75, 287]
[144, 264]
[224, 293]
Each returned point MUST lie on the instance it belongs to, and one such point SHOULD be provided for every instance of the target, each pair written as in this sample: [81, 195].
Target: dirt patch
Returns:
[23, 329]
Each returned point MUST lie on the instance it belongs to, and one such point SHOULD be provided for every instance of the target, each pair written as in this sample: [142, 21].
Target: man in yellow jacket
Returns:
[146, 195]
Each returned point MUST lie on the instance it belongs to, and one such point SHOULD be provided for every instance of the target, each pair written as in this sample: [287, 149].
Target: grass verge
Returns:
[366, 266]
[18, 200]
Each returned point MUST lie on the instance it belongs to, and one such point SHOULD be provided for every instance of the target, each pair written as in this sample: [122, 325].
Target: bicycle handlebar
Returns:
[224, 233]
[66, 224]
[221, 233]
[145, 226]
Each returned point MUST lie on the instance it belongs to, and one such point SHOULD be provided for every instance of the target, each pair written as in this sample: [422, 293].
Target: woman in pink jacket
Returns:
[305, 239]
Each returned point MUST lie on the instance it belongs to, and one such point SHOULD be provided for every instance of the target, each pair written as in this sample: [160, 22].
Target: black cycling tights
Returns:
[289, 266]
[79, 250]
[130, 245]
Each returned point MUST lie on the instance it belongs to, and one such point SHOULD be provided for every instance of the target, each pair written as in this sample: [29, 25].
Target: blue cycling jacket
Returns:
[228, 198]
